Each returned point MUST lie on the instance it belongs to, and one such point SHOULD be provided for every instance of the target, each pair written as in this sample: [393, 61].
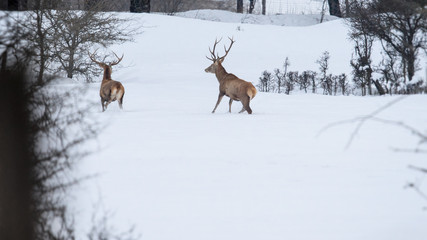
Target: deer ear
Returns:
[221, 60]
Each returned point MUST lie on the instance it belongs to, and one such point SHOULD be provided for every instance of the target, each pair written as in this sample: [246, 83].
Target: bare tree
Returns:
[362, 69]
[45, 119]
[313, 80]
[390, 68]
[400, 24]
[343, 84]
[64, 36]
[266, 83]
[280, 79]
[75, 32]
[41, 131]
[325, 80]
[304, 81]
[291, 80]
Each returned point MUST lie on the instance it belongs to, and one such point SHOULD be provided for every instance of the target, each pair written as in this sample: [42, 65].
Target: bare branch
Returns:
[360, 120]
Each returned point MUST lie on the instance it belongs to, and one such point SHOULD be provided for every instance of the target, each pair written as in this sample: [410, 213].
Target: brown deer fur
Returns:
[110, 90]
[230, 85]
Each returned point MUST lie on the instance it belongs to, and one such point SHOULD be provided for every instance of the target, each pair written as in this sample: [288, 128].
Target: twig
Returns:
[423, 170]
[361, 120]
[416, 186]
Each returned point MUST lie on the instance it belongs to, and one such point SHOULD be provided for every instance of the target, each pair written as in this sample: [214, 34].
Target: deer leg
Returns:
[106, 104]
[245, 103]
[102, 104]
[243, 109]
[229, 109]
[217, 102]
[121, 102]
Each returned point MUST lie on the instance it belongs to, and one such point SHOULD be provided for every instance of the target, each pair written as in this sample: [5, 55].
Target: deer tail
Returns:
[117, 92]
[251, 92]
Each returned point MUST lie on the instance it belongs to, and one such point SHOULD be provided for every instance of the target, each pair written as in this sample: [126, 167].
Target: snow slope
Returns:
[278, 19]
[176, 171]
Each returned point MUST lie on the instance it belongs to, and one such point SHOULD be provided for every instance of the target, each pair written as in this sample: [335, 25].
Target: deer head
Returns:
[216, 59]
[106, 67]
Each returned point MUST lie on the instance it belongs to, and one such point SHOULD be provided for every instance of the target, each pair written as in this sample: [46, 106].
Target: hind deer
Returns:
[230, 85]
[110, 90]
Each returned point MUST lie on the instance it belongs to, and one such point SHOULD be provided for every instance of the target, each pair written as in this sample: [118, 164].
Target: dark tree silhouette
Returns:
[334, 8]
[251, 5]
[239, 8]
[139, 6]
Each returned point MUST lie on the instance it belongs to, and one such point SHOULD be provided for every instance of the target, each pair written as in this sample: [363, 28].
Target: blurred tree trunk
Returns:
[379, 87]
[334, 8]
[239, 6]
[251, 6]
[139, 6]
[16, 221]
[347, 8]
[12, 5]
[146, 6]
[264, 7]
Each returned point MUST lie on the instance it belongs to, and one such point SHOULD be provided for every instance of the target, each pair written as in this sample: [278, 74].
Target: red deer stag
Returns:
[110, 90]
[230, 85]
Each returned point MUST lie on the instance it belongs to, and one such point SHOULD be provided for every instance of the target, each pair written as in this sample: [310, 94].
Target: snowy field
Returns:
[292, 6]
[174, 170]
[279, 19]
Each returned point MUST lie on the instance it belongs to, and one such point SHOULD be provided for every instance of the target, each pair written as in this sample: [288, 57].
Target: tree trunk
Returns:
[347, 9]
[3, 61]
[251, 6]
[264, 7]
[12, 5]
[380, 88]
[334, 8]
[146, 6]
[70, 67]
[410, 58]
[369, 80]
[139, 6]
[239, 6]
[41, 45]
[15, 160]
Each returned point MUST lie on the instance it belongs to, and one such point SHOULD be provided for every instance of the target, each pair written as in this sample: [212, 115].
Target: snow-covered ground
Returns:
[278, 19]
[176, 171]
[288, 6]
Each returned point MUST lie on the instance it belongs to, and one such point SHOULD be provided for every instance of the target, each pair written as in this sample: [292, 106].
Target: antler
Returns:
[215, 58]
[226, 51]
[91, 56]
[118, 59]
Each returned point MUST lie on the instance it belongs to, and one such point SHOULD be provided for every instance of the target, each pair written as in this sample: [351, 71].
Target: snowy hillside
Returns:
[279, 19]
[176, 171]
